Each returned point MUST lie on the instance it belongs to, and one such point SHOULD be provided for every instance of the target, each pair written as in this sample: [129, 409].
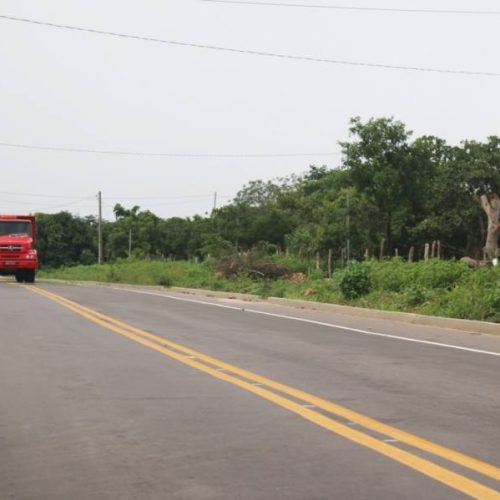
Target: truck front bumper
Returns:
[11, 266]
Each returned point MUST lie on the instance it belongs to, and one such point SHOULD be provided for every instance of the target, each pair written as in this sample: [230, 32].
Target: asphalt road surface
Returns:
[112, 393]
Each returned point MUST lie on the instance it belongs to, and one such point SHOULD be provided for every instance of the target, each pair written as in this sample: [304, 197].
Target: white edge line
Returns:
[314, 322]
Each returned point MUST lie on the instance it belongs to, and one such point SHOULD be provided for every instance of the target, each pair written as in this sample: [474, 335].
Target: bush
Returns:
[395, 275]
[87, 257]
[316, 274]
[355, 281]
[164, 280]
[439, 273]
[476, 297]
[415, 296]
[111, 274]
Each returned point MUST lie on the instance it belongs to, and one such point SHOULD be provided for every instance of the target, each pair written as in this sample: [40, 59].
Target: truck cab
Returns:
[18, 256]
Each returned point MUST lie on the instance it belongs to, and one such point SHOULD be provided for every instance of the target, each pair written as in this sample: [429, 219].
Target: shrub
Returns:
[355, 281]
[439, 273]
[280, 288]
[316, 274]
[87, 257]
[111, 274]
[389, 275]
[164, 280]
[415, 296]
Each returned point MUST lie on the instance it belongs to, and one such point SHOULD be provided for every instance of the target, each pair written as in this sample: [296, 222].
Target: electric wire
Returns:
[354, 8]
[167, 155]
[39, 195]
[195, 197]
[62, 206]
[83, 203]
[85, 199]
[252, 52]
[78, 201]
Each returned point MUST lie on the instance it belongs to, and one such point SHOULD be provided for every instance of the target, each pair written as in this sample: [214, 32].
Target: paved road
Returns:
[121, 394]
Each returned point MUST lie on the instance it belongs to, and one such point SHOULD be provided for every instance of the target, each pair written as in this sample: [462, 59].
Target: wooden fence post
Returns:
[330, 252]
[410, 254]
[317, 260]
[426, 251]
[439, 249]
[382, 243]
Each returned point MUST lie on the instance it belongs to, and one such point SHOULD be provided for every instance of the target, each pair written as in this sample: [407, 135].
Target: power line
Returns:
[199, 197]
[78, 201]
[370, 9]
[11, 193]
[86, 199]
[251, 52]
[73, 202]
[179, 202]
[166, 155]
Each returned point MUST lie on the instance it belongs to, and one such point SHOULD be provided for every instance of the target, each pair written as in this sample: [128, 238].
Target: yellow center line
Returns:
[197, 360]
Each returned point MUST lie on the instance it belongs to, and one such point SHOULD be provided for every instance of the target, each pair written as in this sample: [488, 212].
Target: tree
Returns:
[406, 191]
[258, 193]
[121, 212]
[381, 165]
[64, 239]
[175, 235]
[234, 223]
[479, 164]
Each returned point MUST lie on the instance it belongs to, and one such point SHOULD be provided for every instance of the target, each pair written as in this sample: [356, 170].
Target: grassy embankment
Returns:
[441, 288]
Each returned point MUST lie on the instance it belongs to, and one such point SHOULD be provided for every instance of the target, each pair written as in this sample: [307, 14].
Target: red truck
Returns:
[18, 256]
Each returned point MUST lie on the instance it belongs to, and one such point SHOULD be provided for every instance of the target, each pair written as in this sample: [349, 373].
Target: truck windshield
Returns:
[14, 227]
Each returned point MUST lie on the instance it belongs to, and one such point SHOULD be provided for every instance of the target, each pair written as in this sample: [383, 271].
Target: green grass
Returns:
[441, 288]
[163, 273]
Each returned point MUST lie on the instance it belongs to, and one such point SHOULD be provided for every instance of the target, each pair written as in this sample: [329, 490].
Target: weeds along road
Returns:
[124, 394]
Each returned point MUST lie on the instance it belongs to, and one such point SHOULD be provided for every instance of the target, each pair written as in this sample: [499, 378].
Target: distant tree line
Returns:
[389, 188]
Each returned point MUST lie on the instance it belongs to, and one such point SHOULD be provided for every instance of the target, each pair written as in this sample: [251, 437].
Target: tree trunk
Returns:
[491, 206]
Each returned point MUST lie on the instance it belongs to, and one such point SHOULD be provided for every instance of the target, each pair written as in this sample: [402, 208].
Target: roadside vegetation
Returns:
[392, 219]
[440, 288]
[389, 193]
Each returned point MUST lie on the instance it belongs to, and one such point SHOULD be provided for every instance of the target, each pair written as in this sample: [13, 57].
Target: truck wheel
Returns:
[29, 276]
[19, 277]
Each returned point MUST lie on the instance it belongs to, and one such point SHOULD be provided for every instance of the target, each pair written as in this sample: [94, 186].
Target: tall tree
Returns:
[63, 238]
[381, 165]
[479, 164]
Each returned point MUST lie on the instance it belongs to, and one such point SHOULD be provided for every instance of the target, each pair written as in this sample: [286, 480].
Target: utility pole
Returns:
[348, 224]
[99, 230]
[215, 200]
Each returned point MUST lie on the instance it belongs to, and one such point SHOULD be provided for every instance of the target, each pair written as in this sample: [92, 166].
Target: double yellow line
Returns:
[373, 434]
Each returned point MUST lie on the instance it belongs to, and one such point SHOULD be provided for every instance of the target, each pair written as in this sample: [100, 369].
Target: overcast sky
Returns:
[61, 88]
